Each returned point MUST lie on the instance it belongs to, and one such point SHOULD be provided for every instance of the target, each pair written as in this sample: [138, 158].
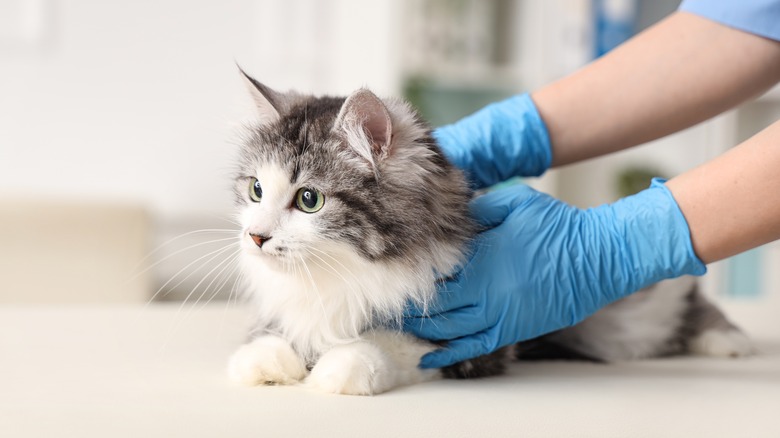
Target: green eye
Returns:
[255, 191]
[309, 200]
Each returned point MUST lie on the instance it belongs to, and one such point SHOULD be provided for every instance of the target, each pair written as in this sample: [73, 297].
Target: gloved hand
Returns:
[502, 140]
[547, 265]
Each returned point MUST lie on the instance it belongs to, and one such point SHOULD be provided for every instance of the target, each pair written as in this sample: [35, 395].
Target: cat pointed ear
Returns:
[367, 124]
[267, 101]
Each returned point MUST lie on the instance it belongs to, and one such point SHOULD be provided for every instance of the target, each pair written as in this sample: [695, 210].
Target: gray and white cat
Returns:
[349, 210]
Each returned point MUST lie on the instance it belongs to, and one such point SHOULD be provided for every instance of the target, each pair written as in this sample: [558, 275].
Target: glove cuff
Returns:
[653, 239]
[692, 264]
[501, 141]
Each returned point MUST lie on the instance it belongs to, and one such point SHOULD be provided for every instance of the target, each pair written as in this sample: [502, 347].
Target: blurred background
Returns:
[117, 122]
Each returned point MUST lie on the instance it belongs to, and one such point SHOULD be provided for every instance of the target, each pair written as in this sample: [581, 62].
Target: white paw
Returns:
[722, 343]
[355, 369]
[268, 360]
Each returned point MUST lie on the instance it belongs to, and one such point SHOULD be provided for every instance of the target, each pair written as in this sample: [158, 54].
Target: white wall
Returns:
[326, 46]
[129, 101]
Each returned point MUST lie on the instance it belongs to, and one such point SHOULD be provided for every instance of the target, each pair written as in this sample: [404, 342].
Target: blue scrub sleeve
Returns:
[760, 17]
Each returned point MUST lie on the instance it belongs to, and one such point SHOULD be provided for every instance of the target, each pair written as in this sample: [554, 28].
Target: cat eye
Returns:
[255, 190]
[309, 200]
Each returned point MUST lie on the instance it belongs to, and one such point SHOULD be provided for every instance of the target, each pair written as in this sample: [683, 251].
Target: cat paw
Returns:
[268, 360]
[354, 369]
[722, 343]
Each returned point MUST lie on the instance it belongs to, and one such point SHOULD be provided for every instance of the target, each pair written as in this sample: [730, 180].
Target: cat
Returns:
[349, 211]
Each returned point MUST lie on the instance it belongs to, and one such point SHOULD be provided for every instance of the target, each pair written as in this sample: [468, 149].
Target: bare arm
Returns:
[683, 70]
[732, 203]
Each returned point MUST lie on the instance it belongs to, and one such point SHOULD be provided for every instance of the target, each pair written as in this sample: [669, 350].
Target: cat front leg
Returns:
[267, 360]
[358, 368]
[381, 361]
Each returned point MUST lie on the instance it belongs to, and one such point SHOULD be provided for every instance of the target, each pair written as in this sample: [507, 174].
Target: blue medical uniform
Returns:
[760, 17]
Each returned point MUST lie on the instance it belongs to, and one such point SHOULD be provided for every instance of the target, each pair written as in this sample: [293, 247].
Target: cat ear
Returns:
[268, 102]
[366, 122]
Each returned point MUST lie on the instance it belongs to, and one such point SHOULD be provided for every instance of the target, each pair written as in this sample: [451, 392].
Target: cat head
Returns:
[323, 178]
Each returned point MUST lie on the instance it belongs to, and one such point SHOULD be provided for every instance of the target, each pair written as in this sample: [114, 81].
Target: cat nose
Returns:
[259, 239]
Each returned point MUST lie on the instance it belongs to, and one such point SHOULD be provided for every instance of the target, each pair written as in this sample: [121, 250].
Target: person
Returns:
[543, 265]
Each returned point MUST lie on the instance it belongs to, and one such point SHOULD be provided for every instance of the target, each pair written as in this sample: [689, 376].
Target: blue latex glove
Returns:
[502, 140]
[547, 265]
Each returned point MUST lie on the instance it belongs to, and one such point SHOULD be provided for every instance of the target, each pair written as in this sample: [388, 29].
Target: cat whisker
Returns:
[314, 285]
[328, 266]
[349, 284]
[225, 280]
[337, 261]
[234, 288]
[225, 274]
[214, 254]
[180, 236]
[228, 262]
[194, 289]
[230, 220]
[237, 221]
[179, 251]
[299, 273]
[366, 312]
[206, 277]
[362, 307]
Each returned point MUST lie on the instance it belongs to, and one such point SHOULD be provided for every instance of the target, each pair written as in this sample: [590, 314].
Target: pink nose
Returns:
[259, 239]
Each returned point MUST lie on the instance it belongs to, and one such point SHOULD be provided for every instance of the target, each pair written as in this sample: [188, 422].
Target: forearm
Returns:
[681, 71]
[732, 203]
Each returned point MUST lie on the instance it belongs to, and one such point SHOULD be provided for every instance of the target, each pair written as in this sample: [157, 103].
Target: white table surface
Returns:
[132, 372]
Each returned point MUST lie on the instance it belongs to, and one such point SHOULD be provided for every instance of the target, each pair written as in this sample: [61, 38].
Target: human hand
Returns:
[502, 140]
[546, 265]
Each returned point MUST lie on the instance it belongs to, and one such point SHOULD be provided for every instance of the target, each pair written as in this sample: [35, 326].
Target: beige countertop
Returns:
[133, 372]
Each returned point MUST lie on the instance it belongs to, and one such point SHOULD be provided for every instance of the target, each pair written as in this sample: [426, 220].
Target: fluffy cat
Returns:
[348, 211]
